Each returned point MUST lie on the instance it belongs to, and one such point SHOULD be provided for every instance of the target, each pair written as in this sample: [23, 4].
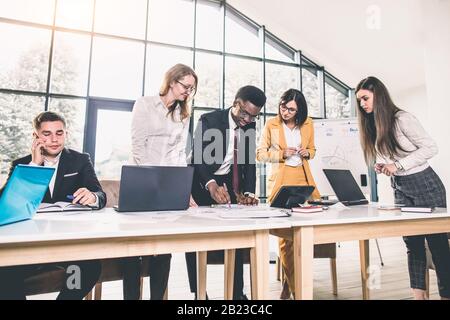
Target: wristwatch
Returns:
[249, 194]
[398, 166]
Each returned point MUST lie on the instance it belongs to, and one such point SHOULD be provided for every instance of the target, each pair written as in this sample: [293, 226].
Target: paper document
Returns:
[221, 212]
[62, 206]
[254, 214]
[418, 209]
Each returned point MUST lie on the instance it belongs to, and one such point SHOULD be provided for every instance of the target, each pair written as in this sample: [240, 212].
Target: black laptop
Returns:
[291, 196]
[345, 187]
[153, 188]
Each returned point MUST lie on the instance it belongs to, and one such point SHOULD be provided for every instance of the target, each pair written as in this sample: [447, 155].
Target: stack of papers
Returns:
[253, 213]
[307, 209]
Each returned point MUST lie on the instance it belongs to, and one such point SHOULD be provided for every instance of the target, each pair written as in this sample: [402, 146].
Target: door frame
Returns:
[95, 104]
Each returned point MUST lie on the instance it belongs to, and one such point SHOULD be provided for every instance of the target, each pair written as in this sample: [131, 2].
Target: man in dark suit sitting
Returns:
[74, 180]
[225, 171]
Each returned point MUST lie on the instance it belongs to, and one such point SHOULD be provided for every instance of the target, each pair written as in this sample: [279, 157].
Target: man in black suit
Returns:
[225, 170]
[74, 180]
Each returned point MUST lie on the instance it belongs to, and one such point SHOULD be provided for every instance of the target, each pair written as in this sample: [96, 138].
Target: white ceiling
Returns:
[335, 34]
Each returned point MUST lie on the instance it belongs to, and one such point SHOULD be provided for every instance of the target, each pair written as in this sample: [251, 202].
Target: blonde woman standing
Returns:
[159, 133]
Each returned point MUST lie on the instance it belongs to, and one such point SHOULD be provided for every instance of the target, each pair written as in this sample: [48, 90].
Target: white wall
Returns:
[437, 73]
[429, 103]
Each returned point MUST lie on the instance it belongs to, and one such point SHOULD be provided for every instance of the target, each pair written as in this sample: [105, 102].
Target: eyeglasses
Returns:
[244, 114]
[284, 108]
[187, 88]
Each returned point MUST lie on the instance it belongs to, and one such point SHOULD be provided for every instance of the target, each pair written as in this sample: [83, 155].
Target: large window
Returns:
[16, 114]
[24, 57]
[209, 25]
[121, 17]
[241, 36]
[159, 59]
[337, 99]
[311, 90]
[171, 21]
[279, 78]
[75, 14]
[63, 55]
[70, 65]
[209, 70]
[39, 11]
[240, 72]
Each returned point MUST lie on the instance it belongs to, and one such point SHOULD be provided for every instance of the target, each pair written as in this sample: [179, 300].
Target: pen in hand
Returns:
[70, 197]
[226, 189]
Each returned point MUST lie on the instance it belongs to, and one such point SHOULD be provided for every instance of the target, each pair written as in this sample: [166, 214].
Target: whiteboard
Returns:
[338, 147]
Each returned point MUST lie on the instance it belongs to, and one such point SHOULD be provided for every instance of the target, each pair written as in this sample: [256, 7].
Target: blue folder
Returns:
[24, 192]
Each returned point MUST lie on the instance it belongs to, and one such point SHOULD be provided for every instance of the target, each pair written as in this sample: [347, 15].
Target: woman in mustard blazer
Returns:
[288, 144]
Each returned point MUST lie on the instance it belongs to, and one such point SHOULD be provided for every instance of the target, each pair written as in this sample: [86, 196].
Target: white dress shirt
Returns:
[52, 164]
[156, 138]
[293, 140]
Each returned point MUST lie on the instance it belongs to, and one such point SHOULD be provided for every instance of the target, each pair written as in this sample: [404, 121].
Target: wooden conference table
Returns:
[106, 234]
[54, 237]
[352, 223]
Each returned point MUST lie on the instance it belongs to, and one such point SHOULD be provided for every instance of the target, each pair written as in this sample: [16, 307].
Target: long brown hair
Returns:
[174, 74]
[377, 129]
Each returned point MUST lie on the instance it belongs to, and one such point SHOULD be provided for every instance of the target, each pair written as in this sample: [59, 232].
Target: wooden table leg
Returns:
[201, 275]
[229, 262]
[259, 264]
[364, 259]
[303, 262]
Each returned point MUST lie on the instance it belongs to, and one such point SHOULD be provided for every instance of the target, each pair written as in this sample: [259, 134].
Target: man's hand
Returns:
[246, 200]
[84, 196]
[219, 194]
[36, 151]
[303, 152]
[192, 203]
[289, 152]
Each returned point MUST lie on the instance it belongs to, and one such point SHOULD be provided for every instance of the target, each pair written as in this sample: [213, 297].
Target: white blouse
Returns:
[293, 140]
[156, 139]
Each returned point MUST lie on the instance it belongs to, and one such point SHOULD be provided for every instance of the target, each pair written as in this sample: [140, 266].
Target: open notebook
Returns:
[62, 206]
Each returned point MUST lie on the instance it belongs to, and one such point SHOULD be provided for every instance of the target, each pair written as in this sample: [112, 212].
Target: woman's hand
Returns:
[389, 169]
[378, 167]
[289, 152]
[304, 153]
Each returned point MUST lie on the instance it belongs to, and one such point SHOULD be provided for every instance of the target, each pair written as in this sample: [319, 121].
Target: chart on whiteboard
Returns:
[338, 147]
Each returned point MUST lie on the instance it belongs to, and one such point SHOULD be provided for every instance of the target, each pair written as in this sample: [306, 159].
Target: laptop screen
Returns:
[24, 192]
[344, 185]
[154, 188]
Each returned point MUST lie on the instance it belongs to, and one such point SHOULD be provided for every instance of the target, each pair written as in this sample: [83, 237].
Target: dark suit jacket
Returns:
[204, 171]
[75, 171]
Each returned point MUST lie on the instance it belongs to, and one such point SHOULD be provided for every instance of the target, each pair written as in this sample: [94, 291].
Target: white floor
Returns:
[388, 282]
